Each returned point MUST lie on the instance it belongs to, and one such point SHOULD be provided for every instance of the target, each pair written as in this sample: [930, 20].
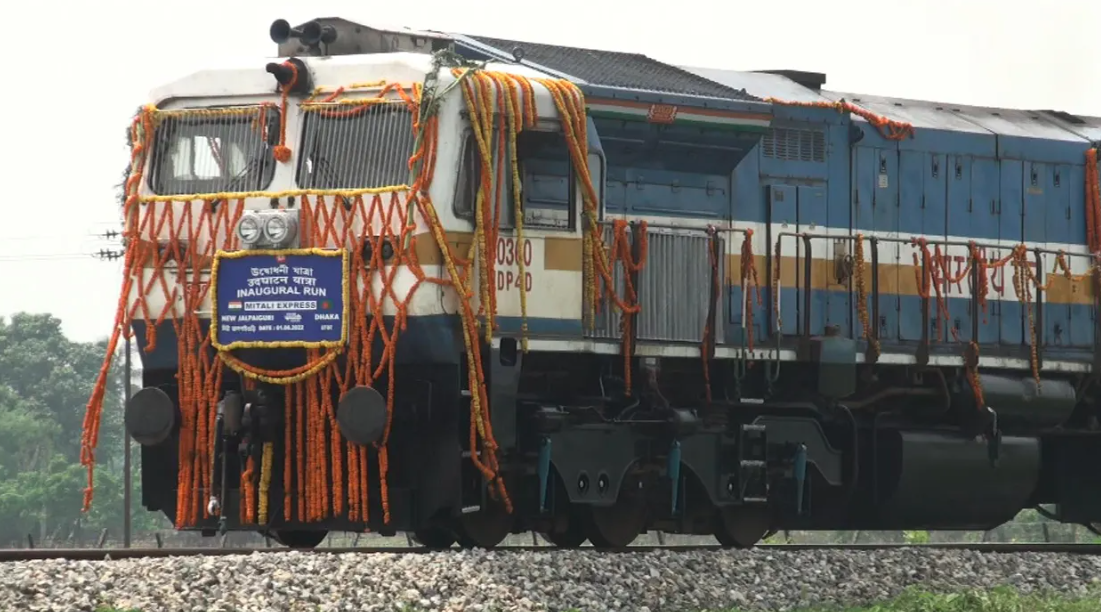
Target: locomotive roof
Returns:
[602, 70]
[246, 77]
[596, 68]
[618, 69]
[1047, 125]
[606, 71]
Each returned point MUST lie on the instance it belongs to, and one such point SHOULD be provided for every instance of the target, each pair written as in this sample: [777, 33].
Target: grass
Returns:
[1002, 599]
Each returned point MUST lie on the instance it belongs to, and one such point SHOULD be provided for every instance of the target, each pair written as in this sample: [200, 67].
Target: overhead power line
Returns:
[17, 257]
[111, 233]
[102, 239]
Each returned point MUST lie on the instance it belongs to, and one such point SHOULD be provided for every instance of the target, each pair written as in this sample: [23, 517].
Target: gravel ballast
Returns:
[480, 581]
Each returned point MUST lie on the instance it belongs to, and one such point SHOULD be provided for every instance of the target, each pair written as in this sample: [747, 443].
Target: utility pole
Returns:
[126, 485]
[112, 255]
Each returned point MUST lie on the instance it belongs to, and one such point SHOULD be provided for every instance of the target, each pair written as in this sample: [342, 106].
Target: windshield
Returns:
[213, 152]
[362, 148]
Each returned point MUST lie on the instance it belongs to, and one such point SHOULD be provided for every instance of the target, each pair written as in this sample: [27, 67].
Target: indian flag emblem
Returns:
[235, 305]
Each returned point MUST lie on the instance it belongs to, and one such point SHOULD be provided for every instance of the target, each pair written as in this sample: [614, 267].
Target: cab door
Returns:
[875, 211]
[540, 258]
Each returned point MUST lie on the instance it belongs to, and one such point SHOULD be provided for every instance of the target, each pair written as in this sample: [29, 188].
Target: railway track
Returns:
[98, 554]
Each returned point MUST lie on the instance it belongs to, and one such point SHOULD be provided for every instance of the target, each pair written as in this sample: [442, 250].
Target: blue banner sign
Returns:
[279, 299]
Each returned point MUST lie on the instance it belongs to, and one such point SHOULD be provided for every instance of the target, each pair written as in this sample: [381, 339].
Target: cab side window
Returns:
[546, 175]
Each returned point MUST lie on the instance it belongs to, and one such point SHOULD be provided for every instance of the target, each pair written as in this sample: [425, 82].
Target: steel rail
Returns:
[100, 554]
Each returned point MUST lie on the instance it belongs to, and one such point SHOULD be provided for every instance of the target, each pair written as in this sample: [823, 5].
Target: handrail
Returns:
[932, 276]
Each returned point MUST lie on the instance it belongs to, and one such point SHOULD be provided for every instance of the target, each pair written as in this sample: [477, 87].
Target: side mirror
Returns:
[596, 174]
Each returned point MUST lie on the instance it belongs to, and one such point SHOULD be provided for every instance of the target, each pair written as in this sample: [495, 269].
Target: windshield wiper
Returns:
[235, 184]
[333, 178]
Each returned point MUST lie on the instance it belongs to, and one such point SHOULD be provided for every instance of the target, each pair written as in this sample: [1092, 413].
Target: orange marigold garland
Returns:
[628, 307]
[141, 135]
[890, 129]
[749, 280]
[300, 449]
[281, 151]
[288, 465]
[1093, 200]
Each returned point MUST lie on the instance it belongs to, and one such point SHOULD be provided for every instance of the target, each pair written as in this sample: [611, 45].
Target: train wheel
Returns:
[486, 528]
[742, 526]
[618, 525]
[304, 540]
[573, 536]
[434, 538]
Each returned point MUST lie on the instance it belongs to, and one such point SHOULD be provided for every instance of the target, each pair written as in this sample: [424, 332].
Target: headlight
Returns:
[268, 229]
[248, 230]
[279, 229]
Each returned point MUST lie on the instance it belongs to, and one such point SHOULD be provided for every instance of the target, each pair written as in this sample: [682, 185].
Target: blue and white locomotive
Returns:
[826, 311]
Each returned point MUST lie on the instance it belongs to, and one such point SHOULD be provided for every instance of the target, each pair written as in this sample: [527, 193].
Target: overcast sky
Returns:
[76, 71]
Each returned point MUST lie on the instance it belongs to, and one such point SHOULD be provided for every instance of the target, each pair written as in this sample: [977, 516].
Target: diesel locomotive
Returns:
[459, 286]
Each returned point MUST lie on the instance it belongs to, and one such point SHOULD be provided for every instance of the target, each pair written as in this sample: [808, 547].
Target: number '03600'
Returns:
[508, 254]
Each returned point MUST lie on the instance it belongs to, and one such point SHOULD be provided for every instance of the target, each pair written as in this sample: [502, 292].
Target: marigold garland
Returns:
[282, 152]
[707, 338]
[749, 280]
[265, 480]
[890, 129]
[1093, 201]
[862, 295]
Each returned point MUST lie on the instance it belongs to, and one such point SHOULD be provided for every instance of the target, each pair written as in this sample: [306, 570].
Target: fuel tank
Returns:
[932, 480]
[1018, 402]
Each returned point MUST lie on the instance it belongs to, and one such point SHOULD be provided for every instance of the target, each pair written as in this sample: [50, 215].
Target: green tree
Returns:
[55, 377]
[45, 382]
[27, 435]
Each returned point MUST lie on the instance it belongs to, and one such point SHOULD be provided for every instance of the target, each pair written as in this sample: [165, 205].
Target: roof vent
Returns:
[810, 80]
[1065, 116]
